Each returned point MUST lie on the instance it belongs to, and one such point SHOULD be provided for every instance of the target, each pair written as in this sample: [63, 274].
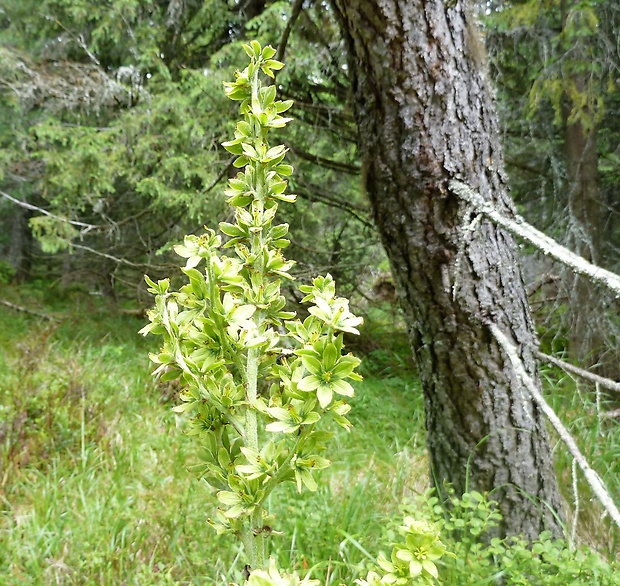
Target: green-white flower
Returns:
[327, 370]
[272, 577]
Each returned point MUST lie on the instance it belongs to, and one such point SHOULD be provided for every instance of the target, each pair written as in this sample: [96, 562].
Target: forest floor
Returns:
[94, 487]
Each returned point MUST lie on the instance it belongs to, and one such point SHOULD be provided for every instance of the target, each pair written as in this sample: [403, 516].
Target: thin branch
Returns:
[591, 476]
[341, 112]
[606, 383]
[28, 311]
[29, 206]
[519, 227]
[326, 163]
[315, 195]
[527, 168]
[117, 259]
[544, 280]
[295, 11]
[79, 39]
[221, 175]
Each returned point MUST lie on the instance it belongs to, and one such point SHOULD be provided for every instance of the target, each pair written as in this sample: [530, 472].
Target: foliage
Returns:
[553, 66]
[413, 561]
[572, 52]
[555, 70]
[479, 558]
[7, 272]
[272, 577]
[222, 334]
[121, 145]
[97, 490]
[112, 116]
[112, 501]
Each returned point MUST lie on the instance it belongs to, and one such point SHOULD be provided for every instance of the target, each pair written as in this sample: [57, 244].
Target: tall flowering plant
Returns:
[257, 382]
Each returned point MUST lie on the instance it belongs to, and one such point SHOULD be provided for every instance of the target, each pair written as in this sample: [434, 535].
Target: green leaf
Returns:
[415, 568]
[309, 383]
[268, 52]
[311, 418]
[430, 568]
[234, 146]
[283, 106]
[185, 407]
[282, 426]
[344, 367]
[272, 64]
[256, 48]
[343, 388]
[312, 364]
[308, 480]
[268, 95]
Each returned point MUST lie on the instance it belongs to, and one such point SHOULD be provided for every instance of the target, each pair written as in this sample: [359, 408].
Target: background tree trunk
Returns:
[584, 319]
[20, 253]
[426, 115]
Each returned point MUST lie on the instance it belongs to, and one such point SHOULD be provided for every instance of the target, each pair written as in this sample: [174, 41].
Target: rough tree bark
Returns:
[426, 115]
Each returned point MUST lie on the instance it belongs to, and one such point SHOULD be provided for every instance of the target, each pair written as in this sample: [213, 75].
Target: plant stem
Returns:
[252, 539]
[251, 429]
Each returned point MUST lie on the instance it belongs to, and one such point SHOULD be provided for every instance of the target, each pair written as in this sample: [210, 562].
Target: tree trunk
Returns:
[585, 318]
[587, 219]
[20, 254]
[426, 115]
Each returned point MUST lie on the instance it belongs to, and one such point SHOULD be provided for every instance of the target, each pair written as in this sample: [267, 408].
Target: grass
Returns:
[93, 480]
[598, 437]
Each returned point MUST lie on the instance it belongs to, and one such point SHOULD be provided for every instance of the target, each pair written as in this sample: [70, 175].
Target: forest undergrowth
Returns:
[94, 487]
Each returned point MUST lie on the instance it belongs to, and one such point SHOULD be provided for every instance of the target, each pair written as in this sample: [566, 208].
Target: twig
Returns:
[117, 259]
[79, 39]
[221, 175]
[544, 280]
[326, 163]
[573, 533]
[295, 11]
[28, 311]
[519, 227]
[591, 476]
[29, 206]
[606, 383]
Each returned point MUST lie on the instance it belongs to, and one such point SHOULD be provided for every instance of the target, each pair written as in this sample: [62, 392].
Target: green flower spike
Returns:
[254, 417]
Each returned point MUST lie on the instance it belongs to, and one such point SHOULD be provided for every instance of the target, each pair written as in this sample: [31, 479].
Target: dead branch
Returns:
[606, 383]
[591, 476]
[139, 313]
[28, 311]
[118, 260]
[62, 85]
[519, 227]
[85, 227]
[295, 11]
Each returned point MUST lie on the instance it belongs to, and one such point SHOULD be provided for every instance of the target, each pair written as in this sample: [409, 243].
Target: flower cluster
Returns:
[413, 560]
[256, 382]
[272, 577]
